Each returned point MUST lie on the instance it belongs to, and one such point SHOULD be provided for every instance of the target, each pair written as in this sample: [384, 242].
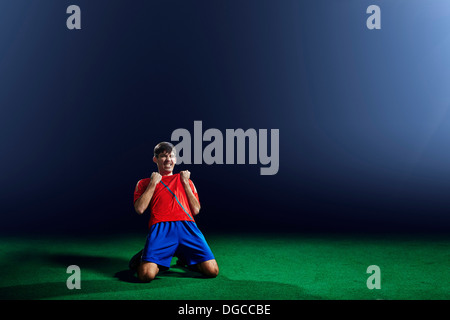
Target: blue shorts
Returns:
[176, 238]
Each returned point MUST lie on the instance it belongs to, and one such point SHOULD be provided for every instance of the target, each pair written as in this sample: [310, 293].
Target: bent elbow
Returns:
[138, 210]
[196, 211]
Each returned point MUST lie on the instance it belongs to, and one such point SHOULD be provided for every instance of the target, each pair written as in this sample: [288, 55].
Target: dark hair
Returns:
[164, 147]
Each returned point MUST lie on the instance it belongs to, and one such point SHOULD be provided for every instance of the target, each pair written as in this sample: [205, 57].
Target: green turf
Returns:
[265, 266]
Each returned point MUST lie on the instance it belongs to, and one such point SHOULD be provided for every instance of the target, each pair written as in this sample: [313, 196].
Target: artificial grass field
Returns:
[252, 267]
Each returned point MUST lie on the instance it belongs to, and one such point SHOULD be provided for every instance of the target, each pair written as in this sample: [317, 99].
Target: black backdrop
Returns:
[362, 114]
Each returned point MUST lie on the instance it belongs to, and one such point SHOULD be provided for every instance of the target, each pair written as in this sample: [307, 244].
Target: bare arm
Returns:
[142, 203]
[194, 205]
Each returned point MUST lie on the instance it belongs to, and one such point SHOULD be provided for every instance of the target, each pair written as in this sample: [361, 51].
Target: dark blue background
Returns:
[363, 114]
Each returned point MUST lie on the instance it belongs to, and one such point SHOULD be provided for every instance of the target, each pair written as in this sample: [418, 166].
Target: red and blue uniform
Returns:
[172, 228]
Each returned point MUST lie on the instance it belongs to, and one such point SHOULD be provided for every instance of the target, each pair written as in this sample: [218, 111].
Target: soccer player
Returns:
[173, 201]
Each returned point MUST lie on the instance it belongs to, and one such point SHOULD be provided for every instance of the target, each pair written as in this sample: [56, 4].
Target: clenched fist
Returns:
[155, 178]
[185, 175]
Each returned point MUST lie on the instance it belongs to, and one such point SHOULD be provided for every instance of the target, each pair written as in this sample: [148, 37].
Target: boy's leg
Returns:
[159, 249]
[209, 268]
[196, 251]
[147, 271]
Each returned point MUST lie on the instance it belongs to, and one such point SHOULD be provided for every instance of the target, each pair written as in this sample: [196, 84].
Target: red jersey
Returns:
[165, 203]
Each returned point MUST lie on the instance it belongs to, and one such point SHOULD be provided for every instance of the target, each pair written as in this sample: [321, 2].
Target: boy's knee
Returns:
[146, 277]
[212, 273]
[147, 272]
[210, 269]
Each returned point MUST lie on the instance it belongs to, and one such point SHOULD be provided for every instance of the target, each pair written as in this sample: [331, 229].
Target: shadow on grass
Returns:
[220, 288]
[175, 283]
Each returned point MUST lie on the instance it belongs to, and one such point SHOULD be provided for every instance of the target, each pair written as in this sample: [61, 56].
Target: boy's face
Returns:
[165, 162]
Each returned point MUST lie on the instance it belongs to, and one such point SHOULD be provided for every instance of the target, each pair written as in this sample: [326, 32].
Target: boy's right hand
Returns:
[155, 178]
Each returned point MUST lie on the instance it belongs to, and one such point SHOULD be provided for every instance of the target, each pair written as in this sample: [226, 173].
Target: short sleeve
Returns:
[140, 189]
